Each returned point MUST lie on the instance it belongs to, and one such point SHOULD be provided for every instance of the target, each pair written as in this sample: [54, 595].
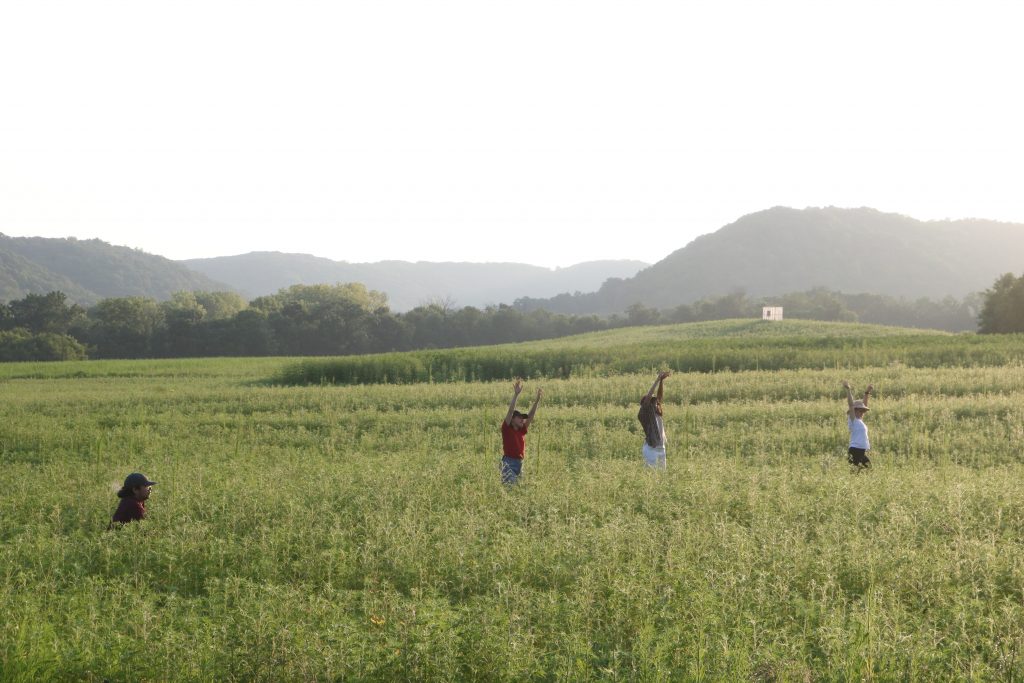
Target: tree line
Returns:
[302, 320]
[318, 320]
[949, 314]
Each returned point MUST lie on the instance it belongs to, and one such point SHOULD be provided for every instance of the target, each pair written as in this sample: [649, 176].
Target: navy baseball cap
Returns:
[134, 480]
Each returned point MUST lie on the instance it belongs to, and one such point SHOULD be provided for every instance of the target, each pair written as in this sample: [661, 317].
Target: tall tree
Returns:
[219, 305]
[182, 315]
[44, 313]
[323, 319]
[1003, 307]
[247, 334]
[124, 327]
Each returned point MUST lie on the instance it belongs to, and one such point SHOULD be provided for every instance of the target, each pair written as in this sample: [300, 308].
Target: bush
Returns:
[21, 345]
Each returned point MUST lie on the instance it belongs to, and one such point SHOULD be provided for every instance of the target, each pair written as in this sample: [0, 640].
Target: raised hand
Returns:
[517, 386]
[846, 385]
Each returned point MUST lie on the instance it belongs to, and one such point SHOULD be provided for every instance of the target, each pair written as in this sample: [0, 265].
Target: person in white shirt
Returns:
[859, 442]
[653, 422]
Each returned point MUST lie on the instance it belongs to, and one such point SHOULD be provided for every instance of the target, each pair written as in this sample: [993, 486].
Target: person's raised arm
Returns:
[657, 386]
[867, 392]
[533, 409]
[517, 388]
[849, 400]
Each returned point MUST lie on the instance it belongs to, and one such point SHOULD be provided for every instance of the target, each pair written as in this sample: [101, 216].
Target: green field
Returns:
[729, 345]
[360, 532]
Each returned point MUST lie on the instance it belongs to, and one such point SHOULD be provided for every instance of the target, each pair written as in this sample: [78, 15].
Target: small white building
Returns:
[771, 313]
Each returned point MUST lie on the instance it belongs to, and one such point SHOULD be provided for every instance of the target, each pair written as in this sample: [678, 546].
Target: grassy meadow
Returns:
[321, 532]
[732, 345]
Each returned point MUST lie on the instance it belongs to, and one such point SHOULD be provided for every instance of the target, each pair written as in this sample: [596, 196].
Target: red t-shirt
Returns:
[129, 510]
[513, 443]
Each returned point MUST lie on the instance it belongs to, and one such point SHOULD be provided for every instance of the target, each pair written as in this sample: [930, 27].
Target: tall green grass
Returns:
[740, 346]
[323, 533]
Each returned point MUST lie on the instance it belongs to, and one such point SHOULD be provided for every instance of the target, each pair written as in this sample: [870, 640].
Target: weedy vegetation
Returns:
[322, 532]
[735, 345]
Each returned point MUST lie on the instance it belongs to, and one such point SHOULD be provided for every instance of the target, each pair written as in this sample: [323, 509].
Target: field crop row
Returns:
[611, 353]
[362, 533]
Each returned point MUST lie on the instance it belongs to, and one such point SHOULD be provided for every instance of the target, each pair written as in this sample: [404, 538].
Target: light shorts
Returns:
[655, 457]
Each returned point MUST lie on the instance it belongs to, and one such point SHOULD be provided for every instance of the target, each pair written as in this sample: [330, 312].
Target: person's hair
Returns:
[654, 401]
[516, 413]
[660, 394]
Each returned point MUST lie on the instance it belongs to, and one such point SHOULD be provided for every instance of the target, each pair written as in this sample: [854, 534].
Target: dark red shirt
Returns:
[513, 443]
[129, 510]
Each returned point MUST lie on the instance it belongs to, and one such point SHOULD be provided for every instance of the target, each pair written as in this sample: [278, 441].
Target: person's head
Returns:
[518, 420]
[137, 486]
[655, 401]
[859, 409]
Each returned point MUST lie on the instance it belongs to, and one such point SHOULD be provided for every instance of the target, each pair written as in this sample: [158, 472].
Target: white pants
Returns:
[655, 457]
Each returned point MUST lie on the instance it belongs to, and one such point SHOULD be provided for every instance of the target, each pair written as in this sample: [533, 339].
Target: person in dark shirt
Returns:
[133, 495]
[653, 422]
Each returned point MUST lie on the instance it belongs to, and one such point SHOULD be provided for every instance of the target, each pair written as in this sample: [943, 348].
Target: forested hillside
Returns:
[90, 270]
[784, 250]
[411, 284]
[851, 257]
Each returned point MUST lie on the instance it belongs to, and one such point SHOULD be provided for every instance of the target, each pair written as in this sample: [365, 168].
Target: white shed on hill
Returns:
[771, 313]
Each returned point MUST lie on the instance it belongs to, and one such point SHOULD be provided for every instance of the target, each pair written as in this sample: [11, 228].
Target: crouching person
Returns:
[134, 494]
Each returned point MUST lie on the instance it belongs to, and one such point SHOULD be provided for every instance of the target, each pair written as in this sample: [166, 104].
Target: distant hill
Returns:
[771, 252]
[783, 250]
[410, 284]
[90, 270]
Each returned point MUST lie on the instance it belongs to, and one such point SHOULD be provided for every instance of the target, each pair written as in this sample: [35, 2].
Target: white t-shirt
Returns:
[858, 433]
[661, 429]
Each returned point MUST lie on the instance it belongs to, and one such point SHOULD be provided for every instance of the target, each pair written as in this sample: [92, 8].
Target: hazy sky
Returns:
[542, 132]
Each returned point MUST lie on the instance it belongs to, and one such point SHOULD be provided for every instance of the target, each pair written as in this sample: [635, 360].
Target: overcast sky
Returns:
[541, 132]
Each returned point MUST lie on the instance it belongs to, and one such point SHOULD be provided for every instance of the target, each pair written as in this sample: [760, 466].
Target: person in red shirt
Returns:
[133, 495]
[513, 436]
